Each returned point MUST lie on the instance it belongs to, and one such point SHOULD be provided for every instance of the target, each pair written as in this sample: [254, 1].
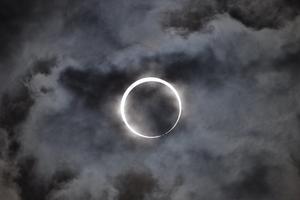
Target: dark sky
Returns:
[64, 66]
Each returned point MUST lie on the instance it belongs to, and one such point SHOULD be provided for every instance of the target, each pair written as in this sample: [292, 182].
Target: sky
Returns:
[64, 66]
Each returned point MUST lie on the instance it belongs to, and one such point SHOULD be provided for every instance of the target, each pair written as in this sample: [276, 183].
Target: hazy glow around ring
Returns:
[141, 81]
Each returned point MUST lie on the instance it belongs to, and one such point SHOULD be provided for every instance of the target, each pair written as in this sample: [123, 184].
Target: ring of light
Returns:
[131, 87]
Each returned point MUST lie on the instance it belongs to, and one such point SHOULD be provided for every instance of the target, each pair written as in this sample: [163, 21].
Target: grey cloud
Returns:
[193, 15]
[238, 138]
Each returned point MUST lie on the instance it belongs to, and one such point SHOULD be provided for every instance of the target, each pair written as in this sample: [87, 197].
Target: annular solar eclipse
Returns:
[130, 89]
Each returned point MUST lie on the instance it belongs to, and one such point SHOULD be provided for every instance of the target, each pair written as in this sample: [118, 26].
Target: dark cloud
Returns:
[127, 185]
[253, 184]
[204, 69]
[263, 15]
[16, 17]
[15, 107]
[44, 66]
[33, 187]
[195, 14]
[289, 61]
[65, 65]
[13, 16]
[93, 86]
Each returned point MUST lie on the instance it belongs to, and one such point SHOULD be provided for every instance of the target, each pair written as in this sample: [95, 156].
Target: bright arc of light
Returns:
[141, 81]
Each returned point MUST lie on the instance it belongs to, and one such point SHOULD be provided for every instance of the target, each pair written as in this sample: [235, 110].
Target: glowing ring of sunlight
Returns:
[141, 81]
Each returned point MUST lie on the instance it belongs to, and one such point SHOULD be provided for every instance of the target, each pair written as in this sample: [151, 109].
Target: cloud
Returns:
[193, 15]
[235, 67]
